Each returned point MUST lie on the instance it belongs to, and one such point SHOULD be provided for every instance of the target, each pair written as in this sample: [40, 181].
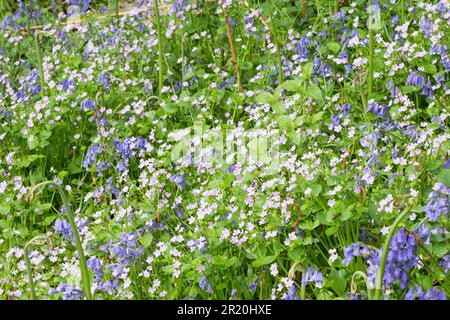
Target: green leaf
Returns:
[315, 93]
[440, 248]
[219, 261]
[265, 97]
[284, 122]
[295, 254]
[331, 230]
[146, 240]
[409, 89]
[48, 220]
[429, 68]
[347, 214]
[247, 65]
[316, 189]
[309, 224]
[170, 108]
[193, 292]
[292, 85]
[25, 161]
[338, 282]
[263, 261]
[333, 46]
[4, 208]
[444, 177]
[332, 181]
[278, 107]
[307, 69]
[317, 117]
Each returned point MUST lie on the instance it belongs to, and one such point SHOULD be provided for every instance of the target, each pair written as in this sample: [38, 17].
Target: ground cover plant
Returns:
[225, 150]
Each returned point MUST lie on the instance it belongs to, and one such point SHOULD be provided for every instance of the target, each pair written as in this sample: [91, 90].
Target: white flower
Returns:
[3, 186]
[273, 269]
[387, 204]
[333, 255]
[385, 230]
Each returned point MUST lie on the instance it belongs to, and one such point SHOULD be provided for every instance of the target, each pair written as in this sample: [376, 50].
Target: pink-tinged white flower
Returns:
[273, 269]
[333, 255]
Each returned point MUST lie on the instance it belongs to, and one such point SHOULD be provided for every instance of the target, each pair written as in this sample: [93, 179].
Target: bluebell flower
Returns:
[346, 108]
[378, 109]
[400, 258]
[394, 21]
[87, 105]
[415, 79]
[291, 293]
[302, 48]
[445, 262]
[179, 180]
[253, 285]
[67, 292]
[91, 155]
[427, 90]
[433, 294]
[439, 203]
[354, 250]
[96, 266]
[447, 164]
[202, 283]
[62, 227]
[104, 80]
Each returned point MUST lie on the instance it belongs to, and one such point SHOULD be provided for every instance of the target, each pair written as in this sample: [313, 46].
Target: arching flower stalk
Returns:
[386, 246]
[85, 279]
[38, 240]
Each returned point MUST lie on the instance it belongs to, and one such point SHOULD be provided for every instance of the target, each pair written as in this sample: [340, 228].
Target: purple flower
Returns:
[400, 258]
[63, 227]
[354, 250]
[96, 266]
[378, 109]
[202, 283]
[445, 263]
[291, 293]
[415, 79]
[87, 105]
[439, 203]
[91, 155]
[104, 80]
[253, 285]
[179, 180]
[68, 292]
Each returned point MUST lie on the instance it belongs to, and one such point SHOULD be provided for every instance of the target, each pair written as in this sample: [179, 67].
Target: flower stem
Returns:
[370, 75]
[40, 63]
[386, 246]
[81, 257]
[160, 51]
[31, 285]
[117, 12]
[277, 44]
[232, 48]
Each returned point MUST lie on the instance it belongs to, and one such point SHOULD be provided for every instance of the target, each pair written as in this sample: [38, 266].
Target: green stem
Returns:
[277, 44]
[117, 12]
[160, 53]
[31, 285]
[402, 6]
[41, 67]
[302, 287]
[386, 249]
[371, 44]
[81, 257]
